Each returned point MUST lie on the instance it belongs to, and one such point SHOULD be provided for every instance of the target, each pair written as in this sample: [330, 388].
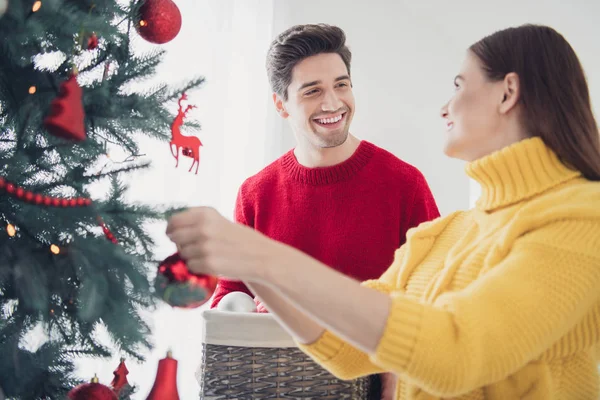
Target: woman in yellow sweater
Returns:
[499, 302]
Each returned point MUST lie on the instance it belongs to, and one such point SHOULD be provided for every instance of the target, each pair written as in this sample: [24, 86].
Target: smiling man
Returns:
[344, 201]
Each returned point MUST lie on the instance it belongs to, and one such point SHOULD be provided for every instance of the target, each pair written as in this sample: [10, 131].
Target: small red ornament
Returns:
[38, 199]
[66, 117]
[159, 21]
[165, 385]
[20, 193]
[109, 235]
[190, 145]
[92, 391]
[10, 188]
[178, 287]
[92, 42]
[120, 379]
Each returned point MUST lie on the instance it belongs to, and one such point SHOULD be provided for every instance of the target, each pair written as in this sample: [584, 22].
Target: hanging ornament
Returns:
[159, 21]
[178, 287]
[3, 7]
[92, 42]
[109, 235]
[92, 391]
[190, 145]
[66, 117]
[165, 385]
[120, 380]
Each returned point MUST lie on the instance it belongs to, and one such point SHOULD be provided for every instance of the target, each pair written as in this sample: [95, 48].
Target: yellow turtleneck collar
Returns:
[517, 172]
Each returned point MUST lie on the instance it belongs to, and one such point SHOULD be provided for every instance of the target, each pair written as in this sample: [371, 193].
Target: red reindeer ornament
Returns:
[190, 145]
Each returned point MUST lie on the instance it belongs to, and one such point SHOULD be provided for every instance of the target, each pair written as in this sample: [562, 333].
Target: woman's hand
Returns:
[211, 244]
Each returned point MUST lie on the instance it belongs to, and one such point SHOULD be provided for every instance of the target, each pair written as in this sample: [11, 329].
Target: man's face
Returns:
[320, 102]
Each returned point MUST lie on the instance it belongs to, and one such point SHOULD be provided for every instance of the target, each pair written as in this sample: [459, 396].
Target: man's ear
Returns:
[279, 106]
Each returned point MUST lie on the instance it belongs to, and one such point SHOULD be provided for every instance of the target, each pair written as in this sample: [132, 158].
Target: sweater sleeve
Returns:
[341, 359]
[226, 286]
[467, 339]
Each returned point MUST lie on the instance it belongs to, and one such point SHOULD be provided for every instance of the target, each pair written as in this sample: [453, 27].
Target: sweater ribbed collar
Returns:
[518, 172]
[329, 175]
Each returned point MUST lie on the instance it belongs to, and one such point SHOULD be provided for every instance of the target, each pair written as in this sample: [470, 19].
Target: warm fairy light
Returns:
[54, 249]
[32, 89]
[36, 6]
[143, 23]
[10, 229]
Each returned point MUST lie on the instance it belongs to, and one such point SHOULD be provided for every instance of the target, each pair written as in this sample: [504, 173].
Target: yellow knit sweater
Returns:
[501, 302]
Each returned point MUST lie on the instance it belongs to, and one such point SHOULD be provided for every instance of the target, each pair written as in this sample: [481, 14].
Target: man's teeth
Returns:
[330, 120]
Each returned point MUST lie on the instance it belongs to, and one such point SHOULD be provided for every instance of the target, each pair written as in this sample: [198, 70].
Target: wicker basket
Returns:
[249, 356]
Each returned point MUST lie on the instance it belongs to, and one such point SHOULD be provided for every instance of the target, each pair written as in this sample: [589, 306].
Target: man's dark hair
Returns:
[298, 43]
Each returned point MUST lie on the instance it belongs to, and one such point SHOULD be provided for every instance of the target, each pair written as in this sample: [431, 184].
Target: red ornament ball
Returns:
[20, 192]
[159, 21]
[92, 391]
[10, 188]
[178, 287]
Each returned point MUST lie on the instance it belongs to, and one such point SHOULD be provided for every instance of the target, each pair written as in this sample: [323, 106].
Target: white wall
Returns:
[406, 54]
[405, 57]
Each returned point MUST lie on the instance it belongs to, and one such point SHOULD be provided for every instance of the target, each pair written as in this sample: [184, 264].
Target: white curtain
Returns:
[226, 42]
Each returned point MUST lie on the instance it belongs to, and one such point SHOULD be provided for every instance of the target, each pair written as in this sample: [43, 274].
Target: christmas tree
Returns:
[72, 263]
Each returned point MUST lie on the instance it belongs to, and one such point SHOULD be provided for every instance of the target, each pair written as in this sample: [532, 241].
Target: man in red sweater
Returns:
[344, 201]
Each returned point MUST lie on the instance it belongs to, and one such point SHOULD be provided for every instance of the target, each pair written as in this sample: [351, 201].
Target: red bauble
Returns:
[66, 118]
[165, 385]
[177, 286]
[159, 21]
[92, 391]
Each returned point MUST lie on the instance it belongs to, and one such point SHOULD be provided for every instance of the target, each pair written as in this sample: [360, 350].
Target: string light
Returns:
[32, 89]
[143, 23]
[10, 229]
[54, 249]
[36, 6]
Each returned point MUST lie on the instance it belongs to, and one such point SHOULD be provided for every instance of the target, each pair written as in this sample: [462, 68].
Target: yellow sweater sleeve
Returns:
[547, 282]
[340, 358]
